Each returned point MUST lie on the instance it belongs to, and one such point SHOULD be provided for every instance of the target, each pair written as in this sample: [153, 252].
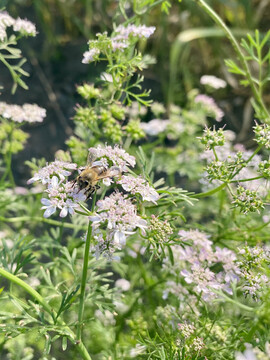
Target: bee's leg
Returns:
[97, 187]
[88, 196]
[74, 181]
[90, 192]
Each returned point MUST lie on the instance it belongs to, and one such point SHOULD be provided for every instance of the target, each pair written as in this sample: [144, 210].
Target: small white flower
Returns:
[25, 27]
[49, 206]
[122, 284]
[90, 55]
[106, 77]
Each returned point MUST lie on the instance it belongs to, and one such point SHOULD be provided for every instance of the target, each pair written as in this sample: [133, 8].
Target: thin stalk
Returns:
[209, 193]
[239, 53]
[232, 301]
[244, 180]
[39, 219]
[16, 280]
[84, 274]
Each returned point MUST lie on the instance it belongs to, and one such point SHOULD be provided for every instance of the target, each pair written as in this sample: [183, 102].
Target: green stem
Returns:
[209, 193]
[14, 279]
[238, 50]
[39, 219]
[215, 154]
[84, 274]
[230, 300]
[243, 180]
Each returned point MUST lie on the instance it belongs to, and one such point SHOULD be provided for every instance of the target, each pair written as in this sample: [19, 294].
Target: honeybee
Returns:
[90, 176]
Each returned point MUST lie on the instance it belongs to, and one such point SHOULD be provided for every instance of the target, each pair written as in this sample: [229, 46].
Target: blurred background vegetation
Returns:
[186, 46]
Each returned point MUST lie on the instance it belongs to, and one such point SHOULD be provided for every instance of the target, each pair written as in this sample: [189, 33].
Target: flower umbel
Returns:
[118, 216]
[26, 113]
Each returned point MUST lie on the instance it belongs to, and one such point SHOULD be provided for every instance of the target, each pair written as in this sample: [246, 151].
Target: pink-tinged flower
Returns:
[25, 27]
[27, 113]
[209, 104]
[213, 81]
[117, 156]
[196, 260]
[58, 168]
[90, 55]
[62, 195]
[133, 30]
[139, 186]
[118, 43]
[119, 216]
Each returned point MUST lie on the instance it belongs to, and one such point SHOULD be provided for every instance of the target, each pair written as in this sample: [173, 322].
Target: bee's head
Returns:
[82, 182]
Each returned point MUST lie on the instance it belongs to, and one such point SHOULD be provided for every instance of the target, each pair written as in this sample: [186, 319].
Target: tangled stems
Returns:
[14, 279]
[84, 274]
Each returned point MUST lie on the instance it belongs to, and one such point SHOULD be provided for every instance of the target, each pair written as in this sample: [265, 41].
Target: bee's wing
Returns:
[113, 171]
[90, 158]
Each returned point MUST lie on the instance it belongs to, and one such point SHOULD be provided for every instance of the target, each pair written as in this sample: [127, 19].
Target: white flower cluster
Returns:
[119, 41]
[133, 30]
[213, 81]
[28, 112]
[195, 262]
[139, 186]
[24, 27]
[116, 211]
[63, 194]
[45, 175]
[90, 55]
[116, 155]
[118, 215]
[210, 106]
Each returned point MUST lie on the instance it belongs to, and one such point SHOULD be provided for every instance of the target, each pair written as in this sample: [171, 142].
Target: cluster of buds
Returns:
[252, 262]
[247, 200]
[186, 329]
[264, 168]
[213, 138]
[224, 170]
[262, 134]
[160, 230]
